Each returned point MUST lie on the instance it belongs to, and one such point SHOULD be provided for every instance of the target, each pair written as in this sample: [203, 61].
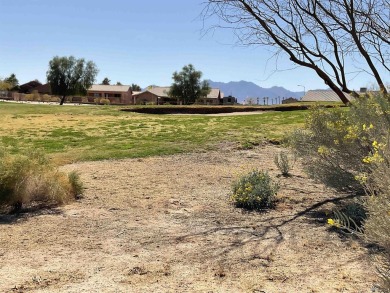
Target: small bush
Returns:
[254, 191]
[284, 163]
[46, 98]
[55, 99]
[30, 178]
[104, 101]
[248, 145]
[76, 184]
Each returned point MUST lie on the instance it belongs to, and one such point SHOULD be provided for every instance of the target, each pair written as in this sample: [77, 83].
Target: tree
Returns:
[118, 83]
[70, 76]
[106, 81]
[135, 87]
[187, 86]
[4, 86]
[327, 37]
[12, 80]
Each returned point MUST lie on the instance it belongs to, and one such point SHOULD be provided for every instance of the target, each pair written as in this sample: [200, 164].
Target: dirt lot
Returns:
[164, 224]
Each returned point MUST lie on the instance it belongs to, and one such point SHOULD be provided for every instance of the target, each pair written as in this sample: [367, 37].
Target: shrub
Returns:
[46, 98]
[55, 99]
[254, 191]
[351, 148]
[30, 178]
[104, 101]
[377, 225]
[28, 97]
[284, 163]
[76, 184]
[335, 142]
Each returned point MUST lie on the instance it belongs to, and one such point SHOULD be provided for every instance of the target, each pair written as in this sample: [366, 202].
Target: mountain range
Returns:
[245, 89]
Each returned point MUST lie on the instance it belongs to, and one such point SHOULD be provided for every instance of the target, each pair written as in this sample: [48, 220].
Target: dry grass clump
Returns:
[30, 178]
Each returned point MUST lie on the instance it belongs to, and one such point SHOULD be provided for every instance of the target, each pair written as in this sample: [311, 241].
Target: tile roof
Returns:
[109, 88]
[323, 96]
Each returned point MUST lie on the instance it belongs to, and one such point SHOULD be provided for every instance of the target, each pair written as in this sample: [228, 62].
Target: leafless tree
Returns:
[325, 36]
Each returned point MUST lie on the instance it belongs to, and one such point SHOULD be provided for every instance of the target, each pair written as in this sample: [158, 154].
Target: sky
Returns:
[140, 42]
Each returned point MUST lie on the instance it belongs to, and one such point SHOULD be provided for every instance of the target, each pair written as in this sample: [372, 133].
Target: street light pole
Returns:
[304, 89]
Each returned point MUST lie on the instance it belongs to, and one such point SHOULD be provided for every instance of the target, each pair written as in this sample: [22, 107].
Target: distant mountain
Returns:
[244, 89]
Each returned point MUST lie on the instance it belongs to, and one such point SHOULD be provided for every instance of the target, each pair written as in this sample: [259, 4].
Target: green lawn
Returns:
[74, 133]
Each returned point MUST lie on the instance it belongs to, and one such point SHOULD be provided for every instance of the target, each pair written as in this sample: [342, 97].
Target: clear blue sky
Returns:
[141, 42]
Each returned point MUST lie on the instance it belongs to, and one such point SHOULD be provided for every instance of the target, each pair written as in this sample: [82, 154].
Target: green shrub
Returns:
[335, 142]
[284, 163]
[254, 191]
[377, 225]
[30, 178]
[76, 184]
[350, 148]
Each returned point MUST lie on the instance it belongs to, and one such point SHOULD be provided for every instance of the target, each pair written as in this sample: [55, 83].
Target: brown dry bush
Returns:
[30, 178]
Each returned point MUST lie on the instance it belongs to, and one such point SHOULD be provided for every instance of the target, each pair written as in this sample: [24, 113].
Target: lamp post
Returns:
[304, 89]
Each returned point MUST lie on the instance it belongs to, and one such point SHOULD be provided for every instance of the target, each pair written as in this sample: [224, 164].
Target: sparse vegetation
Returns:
[254, 191]
[284, 162]
[30, 178]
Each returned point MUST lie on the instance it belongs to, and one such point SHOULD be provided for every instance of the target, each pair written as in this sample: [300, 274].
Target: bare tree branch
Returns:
[320, 35]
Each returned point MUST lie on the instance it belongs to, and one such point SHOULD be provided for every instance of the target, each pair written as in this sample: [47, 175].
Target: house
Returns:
[28, 87]
[43, 89]
[215, 97]
[117, 94]
[324, 96]
[159, 95]
[156, 95]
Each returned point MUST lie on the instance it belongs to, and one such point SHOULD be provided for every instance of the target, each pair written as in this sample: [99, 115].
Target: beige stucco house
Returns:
[215, 97]
[157, 95]
[117, 94]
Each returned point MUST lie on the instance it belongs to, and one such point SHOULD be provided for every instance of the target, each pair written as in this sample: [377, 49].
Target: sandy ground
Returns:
[164, 224]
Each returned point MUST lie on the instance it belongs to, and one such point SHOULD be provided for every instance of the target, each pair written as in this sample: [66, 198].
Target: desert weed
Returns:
[254, 190]
[30, 178]
[284, 162]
